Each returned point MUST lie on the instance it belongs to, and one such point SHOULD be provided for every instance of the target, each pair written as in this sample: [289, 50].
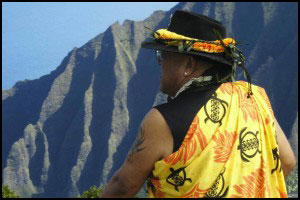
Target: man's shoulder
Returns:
[244, 86]
[157, 129]
[154, 118]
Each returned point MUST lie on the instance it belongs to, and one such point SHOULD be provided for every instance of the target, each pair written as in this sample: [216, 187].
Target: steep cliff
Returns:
[72, 128]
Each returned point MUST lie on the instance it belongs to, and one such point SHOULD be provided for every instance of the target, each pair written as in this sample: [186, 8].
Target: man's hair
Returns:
[215, 69]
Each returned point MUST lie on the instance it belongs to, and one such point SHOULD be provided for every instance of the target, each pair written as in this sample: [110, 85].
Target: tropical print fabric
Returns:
[230, 150]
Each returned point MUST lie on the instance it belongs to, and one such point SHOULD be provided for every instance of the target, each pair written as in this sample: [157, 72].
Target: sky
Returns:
[37, 36]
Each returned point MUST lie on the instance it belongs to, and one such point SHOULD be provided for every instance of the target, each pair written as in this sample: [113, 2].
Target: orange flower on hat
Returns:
[206, 46]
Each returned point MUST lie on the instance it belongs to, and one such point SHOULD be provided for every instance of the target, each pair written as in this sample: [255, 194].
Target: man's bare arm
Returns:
[287, 157]
[119, 186]
[153, 142]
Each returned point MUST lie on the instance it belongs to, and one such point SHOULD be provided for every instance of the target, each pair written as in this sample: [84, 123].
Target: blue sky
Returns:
[37, 36]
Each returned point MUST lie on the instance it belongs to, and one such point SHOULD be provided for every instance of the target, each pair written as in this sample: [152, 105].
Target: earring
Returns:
[185, 73]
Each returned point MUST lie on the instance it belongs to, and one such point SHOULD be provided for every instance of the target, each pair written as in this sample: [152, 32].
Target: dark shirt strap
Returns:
[180, 112]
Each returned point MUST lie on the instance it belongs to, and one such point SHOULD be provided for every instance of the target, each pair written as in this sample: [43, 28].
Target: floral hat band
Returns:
[174, 39]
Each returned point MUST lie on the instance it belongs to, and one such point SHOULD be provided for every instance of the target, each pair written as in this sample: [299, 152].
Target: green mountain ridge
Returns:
[72, 128]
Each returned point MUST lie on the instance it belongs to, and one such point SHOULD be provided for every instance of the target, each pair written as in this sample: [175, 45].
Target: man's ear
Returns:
[190, 64]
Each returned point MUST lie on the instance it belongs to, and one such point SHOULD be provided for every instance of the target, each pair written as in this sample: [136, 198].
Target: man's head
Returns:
[194, 44]
[177, 69]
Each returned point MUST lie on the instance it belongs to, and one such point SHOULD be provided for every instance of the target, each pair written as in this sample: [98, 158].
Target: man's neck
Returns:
[188, 82]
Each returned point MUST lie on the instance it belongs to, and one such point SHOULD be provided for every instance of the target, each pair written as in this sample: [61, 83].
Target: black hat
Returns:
[195, 26]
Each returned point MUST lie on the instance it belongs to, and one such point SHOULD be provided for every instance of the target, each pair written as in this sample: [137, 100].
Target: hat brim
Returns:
[216, 57]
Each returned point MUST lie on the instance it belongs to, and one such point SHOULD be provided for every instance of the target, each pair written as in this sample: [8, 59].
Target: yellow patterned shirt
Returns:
[230, 150]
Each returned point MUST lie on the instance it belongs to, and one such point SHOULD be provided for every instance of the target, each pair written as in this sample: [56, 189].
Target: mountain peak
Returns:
[75, 125]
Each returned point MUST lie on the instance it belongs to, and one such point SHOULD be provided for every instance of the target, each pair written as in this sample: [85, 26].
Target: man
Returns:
[215, 137]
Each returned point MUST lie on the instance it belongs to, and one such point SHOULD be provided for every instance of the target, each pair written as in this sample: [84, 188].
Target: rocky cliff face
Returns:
[72, 128]
[294, 138]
